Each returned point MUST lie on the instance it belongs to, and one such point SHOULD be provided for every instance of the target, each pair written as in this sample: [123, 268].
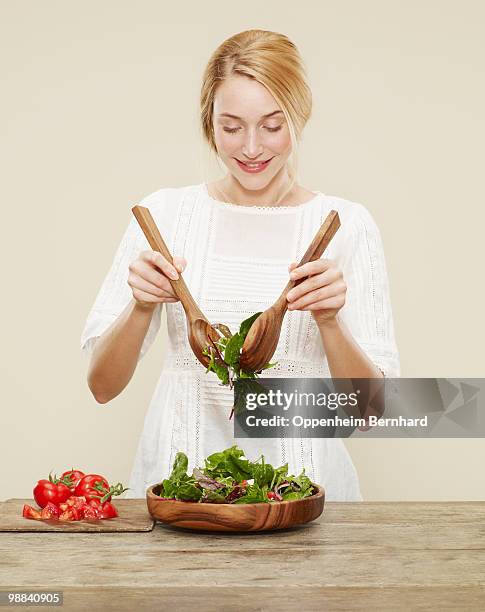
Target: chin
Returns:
[255, 182]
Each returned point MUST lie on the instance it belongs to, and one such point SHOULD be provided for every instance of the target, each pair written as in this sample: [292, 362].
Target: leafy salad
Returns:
[224, 354]
[224, 361]
[229, 478]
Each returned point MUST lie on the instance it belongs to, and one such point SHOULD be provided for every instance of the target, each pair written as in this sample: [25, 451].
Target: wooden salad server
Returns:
[262, 339]
[201, 333]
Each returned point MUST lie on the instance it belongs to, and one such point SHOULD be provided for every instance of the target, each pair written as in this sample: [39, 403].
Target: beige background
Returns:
[99, 107]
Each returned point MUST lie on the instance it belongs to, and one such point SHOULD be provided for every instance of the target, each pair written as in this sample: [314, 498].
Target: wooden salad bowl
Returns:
[235, 517]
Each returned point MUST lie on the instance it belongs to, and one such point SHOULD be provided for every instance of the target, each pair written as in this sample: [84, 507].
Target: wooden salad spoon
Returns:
[262, 339]
[201, 333]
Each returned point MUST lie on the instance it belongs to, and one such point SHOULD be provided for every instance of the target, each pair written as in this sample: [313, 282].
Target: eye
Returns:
[273, 129]
[231, 130]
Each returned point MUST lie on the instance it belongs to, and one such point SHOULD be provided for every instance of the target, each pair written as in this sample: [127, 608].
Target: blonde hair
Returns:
[272, 60]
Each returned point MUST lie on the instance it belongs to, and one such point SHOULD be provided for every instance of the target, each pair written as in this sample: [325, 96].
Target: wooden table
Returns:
[367, 555]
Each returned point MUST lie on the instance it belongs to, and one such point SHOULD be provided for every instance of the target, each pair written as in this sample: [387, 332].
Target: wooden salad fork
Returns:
[201, 333]
[262, 339]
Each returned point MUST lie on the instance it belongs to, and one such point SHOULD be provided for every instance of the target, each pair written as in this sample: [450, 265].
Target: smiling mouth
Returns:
[254, 166]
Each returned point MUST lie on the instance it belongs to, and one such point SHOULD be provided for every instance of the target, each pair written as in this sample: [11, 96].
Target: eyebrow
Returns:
[276, 112]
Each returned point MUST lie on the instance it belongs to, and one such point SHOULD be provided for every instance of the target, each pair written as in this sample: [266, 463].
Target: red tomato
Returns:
[76, 502]
[92, 512]
[71, 478]
[273, 495]
[75, 508]
[30, 513]
[66, 516]
[77, 513]
[96, 487]
[51, 511]
[108, 511]
[51, 490]
[91, 487]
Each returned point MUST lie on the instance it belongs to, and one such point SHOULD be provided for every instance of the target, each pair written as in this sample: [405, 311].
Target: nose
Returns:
[252, 148]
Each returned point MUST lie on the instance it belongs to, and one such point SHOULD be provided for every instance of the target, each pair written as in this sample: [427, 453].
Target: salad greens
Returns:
[229, 478]
[224, 361]
[224, 354]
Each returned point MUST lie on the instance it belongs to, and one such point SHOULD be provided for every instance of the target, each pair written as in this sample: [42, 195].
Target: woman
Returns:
[237, 240]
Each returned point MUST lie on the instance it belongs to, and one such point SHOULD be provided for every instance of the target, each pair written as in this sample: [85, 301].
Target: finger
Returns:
[157, 259]
[312, 267]
[330, 303]
[180, 263]
[152, 275]
[143, 296]
[292, 265]
[318, 295]
[139, 283]
[314, 282]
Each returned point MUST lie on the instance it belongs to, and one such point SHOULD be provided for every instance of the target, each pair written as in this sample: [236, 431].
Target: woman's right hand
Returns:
[148, 278]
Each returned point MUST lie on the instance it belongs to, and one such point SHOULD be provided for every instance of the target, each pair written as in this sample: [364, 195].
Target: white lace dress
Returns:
[237, 264]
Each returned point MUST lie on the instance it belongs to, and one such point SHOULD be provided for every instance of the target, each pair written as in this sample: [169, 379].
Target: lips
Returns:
[253, 167]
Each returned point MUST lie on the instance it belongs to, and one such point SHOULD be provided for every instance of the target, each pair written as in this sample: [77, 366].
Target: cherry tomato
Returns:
[66, 516]
[30, 513]
[76, 502]
[274, 496]
[75, 507]
[71, 478]
[94, 486]
[108, 511]
[51, 490]
[51, 511]
[77, 513]
[92, 511]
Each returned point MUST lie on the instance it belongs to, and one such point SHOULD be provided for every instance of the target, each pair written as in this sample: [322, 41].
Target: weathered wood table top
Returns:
[367, 555]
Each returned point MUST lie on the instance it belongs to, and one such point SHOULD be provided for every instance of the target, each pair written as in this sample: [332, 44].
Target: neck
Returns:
[271, 194]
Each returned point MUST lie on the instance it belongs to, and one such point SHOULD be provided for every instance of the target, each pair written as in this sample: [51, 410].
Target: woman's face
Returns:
[251, 132]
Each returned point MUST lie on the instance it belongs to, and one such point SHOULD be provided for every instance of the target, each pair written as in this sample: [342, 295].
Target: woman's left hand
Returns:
[322, 293]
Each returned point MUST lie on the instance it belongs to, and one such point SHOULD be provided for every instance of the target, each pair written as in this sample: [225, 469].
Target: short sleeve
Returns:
[115, 294]
[367, 311]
